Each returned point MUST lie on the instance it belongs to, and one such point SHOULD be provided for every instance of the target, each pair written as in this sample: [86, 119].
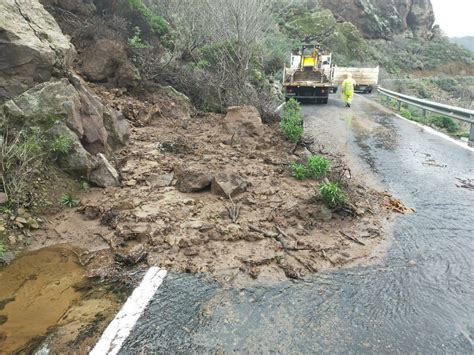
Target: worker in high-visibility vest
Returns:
[348, 89]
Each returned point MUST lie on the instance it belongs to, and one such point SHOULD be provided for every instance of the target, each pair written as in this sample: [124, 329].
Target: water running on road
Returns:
[419, 300]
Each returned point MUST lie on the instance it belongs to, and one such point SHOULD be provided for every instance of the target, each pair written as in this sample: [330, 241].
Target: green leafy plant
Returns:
[332, 195]
[299, 171]
[157, 24]
[291, 121]
[444, 122]
[3, 248]
[61, 144]
[318, 166]
[68, 200]
[406, 113]
[135, 41]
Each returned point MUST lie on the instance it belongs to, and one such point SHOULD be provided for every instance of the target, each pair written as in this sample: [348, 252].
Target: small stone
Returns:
[33, 223]
[412, 263]
[192, 180]
[161, 180]
[3, 198]
[228, 184]
[105, 174]
[91, 212]
[326, 214]
[131, 182]
[11, 240]
[21, 220]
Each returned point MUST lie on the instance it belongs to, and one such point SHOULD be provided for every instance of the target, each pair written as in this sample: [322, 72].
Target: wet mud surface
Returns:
[46, 300]
[419, 299]
[282, 230]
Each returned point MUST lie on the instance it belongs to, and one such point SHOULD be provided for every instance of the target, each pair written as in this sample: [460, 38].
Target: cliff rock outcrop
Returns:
[383, 19]
[36, 83]
[32, 47]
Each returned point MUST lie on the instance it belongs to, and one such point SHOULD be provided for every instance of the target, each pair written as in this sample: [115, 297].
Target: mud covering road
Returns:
[419, 299]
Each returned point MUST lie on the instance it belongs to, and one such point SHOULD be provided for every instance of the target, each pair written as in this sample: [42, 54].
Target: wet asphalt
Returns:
[419, 299]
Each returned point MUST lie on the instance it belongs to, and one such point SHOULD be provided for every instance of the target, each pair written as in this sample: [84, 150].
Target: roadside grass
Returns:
[68, 200]
[332, 195]
[292, 122]
[443, 123]
[300, 172]
[316, 168]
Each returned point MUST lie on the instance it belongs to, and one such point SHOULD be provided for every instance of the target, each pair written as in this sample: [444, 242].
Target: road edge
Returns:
[121, 326]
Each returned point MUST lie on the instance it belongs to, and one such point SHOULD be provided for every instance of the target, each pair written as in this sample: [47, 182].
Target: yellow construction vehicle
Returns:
[310, 75]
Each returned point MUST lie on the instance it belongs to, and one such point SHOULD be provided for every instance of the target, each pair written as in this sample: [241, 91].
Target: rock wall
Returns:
[385, 18]
[36, 82]
[32, 47]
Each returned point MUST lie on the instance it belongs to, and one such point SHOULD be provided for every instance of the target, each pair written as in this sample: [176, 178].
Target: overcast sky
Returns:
[455, 16]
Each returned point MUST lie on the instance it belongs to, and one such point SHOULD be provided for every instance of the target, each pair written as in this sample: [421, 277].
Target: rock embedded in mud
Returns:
[228, 184]
[105, 175]
[243, 121]
[161, 180]
[192, 180]
[91, 212]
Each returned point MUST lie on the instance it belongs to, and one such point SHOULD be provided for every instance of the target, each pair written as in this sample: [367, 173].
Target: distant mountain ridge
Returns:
[467, 41]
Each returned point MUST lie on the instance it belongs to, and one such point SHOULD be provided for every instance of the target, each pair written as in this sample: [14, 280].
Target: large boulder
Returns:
[32, 47]
[99, 128]
[67, 107]
[243, 121]
[105, 60]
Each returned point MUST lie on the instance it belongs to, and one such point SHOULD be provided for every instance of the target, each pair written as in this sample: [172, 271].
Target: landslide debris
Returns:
[214, 193]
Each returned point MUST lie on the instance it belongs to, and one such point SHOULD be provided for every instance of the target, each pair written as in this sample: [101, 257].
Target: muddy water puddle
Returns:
[42, 293]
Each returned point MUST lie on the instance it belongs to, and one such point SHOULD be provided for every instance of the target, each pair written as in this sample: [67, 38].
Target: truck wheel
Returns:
[324, 101]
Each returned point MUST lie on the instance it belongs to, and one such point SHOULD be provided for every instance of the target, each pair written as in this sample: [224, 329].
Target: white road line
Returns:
[119, 329]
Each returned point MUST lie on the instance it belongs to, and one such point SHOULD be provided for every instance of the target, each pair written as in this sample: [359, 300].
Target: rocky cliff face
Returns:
[385, 18]
[32, 47]
[36, 82]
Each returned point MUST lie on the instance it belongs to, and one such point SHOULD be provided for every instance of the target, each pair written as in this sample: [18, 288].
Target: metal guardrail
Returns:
[458, 113]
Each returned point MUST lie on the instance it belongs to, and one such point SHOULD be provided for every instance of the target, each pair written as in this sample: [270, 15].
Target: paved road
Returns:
[420, 300]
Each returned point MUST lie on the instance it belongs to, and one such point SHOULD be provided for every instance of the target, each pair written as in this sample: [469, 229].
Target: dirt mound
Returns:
[274, 225]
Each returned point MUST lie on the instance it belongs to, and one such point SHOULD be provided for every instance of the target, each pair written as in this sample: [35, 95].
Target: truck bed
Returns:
[362, 76]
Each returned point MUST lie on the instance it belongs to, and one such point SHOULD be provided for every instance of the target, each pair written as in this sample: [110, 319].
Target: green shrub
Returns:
[318, 166]
[299, 171]
[291, 121]
[68, 200]
[61, 144]
[444, 122]
[3, 249]
[135, 41]
[157, 24]
[406, 113]
[332, 195]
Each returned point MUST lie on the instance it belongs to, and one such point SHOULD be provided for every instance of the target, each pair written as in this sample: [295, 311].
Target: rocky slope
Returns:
[38, 86]
[383, 19]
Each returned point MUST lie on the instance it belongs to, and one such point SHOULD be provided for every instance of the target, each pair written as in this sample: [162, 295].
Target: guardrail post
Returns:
[399, 105]
[471, 135]
[424, 113]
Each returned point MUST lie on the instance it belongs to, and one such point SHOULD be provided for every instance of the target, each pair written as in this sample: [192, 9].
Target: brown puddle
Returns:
[36, 290]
